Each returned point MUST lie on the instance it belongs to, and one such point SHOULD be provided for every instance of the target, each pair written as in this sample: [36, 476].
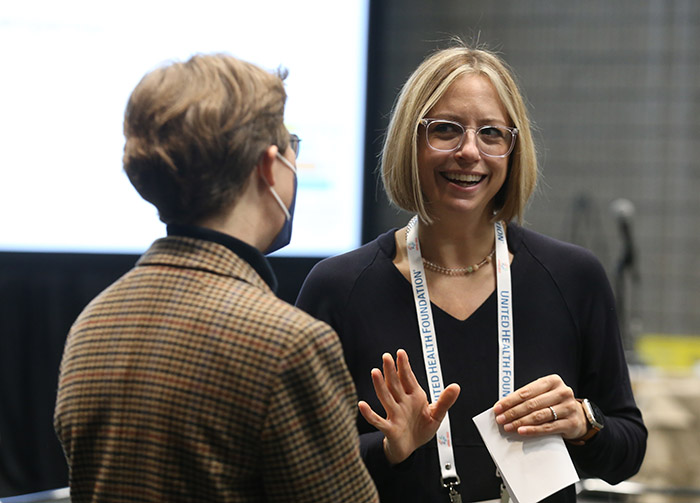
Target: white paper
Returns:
[532, 467]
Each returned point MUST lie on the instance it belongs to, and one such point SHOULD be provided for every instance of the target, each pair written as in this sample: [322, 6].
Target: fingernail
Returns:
[501, 418]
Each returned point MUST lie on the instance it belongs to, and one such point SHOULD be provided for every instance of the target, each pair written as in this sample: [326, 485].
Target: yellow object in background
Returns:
[669, 352]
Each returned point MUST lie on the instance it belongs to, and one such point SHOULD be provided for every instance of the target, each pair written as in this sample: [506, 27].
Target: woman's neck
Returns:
[456, 243]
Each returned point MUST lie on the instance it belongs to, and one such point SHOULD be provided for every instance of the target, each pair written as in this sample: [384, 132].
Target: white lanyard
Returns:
[429, 341]
[506, 363]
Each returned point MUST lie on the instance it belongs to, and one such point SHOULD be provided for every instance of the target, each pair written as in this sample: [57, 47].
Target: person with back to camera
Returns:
[188, 379]
[459, 153]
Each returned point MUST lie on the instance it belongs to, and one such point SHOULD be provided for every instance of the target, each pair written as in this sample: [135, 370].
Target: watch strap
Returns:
[592, 428]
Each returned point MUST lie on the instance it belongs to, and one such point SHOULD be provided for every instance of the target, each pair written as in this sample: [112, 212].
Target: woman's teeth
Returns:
[464, 179]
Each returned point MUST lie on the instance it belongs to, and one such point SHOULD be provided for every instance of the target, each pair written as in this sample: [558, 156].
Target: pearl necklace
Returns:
[456, 271]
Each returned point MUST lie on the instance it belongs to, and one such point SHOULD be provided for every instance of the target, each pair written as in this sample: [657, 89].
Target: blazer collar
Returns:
[241, 261]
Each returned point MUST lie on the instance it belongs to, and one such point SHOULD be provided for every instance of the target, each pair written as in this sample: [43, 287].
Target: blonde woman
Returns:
[509, 315]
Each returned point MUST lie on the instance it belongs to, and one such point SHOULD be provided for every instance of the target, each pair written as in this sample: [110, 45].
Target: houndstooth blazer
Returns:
[189, 380]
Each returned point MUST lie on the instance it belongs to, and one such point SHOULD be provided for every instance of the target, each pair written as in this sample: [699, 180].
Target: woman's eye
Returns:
[491, 132]
[446, 128]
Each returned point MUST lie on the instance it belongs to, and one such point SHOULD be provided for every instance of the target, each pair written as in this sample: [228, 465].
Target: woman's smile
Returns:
[463, 179]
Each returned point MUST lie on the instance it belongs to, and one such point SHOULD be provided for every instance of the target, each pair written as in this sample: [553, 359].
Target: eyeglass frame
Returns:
[294, 142]
[426, 122]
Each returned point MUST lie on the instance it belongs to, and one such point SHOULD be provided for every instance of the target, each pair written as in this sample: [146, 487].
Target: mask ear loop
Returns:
[287, 216]
[286, 162]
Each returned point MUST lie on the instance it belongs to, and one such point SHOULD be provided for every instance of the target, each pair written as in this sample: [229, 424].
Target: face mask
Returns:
[285, 234]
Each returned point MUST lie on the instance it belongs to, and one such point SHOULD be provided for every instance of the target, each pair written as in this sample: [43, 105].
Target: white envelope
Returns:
[532, 467]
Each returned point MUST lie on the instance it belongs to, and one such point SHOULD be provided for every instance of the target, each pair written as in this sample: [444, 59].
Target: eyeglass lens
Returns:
[490, 140]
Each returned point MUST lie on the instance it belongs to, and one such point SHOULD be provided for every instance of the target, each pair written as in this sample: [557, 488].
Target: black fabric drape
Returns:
[40, 296]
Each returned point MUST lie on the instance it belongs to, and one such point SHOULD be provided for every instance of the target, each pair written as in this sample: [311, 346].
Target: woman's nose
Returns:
[469, 149]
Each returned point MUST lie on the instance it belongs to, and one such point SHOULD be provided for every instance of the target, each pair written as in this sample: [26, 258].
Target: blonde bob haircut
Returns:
[420, 93]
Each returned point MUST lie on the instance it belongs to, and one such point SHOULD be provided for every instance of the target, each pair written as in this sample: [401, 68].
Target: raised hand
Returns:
[411, 420]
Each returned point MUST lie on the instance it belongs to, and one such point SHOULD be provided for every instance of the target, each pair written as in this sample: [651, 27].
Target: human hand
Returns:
[543, 407]
[410, 420]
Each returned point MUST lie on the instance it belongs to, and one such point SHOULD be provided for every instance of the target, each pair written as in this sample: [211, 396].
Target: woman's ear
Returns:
[265, 164]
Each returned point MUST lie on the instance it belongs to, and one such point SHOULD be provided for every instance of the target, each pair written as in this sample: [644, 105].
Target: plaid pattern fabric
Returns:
[188, 380]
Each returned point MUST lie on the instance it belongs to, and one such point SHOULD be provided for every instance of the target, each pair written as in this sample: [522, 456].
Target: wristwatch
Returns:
[596, 420]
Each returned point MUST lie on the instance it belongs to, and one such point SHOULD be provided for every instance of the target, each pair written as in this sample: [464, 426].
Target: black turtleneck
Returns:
[247, 252]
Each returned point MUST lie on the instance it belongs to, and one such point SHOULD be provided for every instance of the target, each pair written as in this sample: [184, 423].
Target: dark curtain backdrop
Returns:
[40, 296]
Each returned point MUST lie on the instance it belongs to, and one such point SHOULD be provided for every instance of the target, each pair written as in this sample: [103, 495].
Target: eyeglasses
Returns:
[448, 136]
[294, 141]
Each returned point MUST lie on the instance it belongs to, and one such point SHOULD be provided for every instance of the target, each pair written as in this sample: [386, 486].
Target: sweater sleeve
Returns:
[617, 451]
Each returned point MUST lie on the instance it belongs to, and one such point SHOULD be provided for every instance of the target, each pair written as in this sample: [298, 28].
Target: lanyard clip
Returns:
[505, 495]
[452, 486]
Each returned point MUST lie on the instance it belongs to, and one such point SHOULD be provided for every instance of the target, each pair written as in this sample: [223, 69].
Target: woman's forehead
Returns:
[470, 97]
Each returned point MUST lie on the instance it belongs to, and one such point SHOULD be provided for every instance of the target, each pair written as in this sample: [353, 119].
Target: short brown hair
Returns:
[422, 90]
[195, 131]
